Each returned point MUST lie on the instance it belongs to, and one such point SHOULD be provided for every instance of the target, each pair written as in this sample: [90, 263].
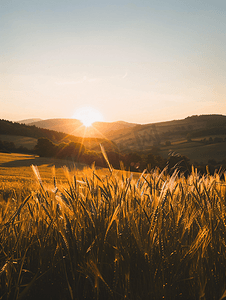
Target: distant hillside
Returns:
[200, 138]
[19, 141]
[17, 129]
[28, 121]
[61, 125]
[75, 127]
[143, 137]
[136, 137]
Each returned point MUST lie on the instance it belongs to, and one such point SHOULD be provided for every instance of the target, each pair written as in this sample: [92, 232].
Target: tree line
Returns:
[132, 161]
[49, 145]
[8, 147]
[14, 128]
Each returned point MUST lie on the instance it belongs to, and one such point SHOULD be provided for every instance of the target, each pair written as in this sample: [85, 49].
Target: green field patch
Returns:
[197, 151]
[18, 140]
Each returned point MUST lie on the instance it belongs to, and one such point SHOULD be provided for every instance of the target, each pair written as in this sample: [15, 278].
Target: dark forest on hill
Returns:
[55, 144]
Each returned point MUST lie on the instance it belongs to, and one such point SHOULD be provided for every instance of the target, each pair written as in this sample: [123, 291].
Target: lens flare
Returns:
[88, 115]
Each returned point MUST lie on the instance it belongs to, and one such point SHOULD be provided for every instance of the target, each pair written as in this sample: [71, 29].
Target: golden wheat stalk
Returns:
[106, 158]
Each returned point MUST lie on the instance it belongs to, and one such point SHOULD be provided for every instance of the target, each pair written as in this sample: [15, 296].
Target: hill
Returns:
[19, 141]
[28, 121]
[9, 129]
[200, 138]
[75, 127]
[141, 137]
[191, 136]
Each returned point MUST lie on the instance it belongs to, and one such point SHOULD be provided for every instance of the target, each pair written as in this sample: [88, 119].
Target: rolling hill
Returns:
[75, 127]
[19, 134]
[200, 138]
[143, 137]
[28, 121]
[139, 137]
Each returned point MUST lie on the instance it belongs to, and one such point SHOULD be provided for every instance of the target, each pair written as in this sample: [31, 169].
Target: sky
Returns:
[138, 61]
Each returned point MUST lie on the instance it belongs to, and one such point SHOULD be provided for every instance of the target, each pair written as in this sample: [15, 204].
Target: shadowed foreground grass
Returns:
[110, 236]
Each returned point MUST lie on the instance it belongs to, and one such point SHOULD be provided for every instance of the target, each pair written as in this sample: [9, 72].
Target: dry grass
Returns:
[107, 235]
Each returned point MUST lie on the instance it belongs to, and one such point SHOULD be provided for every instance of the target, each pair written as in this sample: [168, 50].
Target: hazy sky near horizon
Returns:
[138, 61]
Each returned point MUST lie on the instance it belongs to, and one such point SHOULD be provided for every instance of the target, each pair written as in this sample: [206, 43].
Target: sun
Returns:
[88, 115]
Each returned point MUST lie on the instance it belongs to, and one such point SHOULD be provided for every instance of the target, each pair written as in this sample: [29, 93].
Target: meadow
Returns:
[23, 141]
[70, 231]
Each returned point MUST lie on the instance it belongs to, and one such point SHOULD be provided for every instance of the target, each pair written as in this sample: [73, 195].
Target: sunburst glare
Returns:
[88, 115]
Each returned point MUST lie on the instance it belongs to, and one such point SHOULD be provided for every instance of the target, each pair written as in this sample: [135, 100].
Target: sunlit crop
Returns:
[108, 235]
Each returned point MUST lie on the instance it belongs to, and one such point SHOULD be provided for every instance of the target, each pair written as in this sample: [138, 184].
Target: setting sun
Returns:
[88, 115]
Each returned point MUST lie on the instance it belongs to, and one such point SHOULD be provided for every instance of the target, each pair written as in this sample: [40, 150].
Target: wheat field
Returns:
[107, 234]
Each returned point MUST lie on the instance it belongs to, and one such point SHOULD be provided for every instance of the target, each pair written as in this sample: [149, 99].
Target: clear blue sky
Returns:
[137, 61]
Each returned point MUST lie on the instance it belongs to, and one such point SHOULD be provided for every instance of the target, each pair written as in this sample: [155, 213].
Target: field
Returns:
[79, 233]
[16, 168]
[196, 150]
[18, 140]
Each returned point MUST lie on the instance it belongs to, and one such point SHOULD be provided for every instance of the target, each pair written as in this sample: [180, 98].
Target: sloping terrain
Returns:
[8, 128]
[196, 151]
[75, 127]
[143, 137]
[28, 121]
[18, 140]
[139, 137]
[200, 138]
